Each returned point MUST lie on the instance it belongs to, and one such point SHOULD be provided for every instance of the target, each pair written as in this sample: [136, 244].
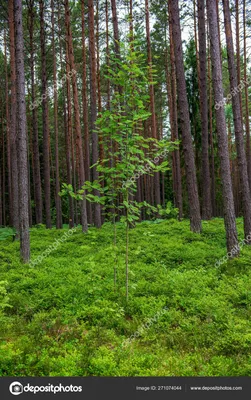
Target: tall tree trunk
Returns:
[192, 189]
[66, 89]
[35, 144]
[68, 141]
[79, 145]
[205, 170]
[115, 28]
[8, 129]
[85, 112]
[45, 116]
[93, 87]
[156, 180]
[174, 125]
[211, 140]
[23, 183]
[4, 169]
[247, 126]
[196, 42]
[13, 120]
[239, 137]
[238, 56]
[57, 183]
[227, 192]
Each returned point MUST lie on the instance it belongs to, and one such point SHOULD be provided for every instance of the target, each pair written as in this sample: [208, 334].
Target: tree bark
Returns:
[174, 125]
[45, 116]
[192, 189]
[23, 184]
[13, 120]
[35, 144]
[79, 145]
[85, 113]
[237, 114]
[227, 192]
[205, 170]
[156, 178]
[238, 56]
[57, 183]
[8, 130]
[93, 89]
[247, 126]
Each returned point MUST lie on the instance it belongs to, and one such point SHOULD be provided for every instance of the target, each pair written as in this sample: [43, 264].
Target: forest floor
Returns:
[185, 316]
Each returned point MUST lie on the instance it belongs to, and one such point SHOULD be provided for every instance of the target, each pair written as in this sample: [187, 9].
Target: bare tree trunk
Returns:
[211, 138]
[247, 126]
[192, 189]
[57, 185]
[45, 114]
[13, 120]
[4, 171]
[79, 145]
[174, 125]
[239, 137]
[93, 87]
[8, 130]
[238, 56]
[205, 170]
[156, 180]
[115, 28]
[85, 112]
[227, 192]
[68, 135]
[23, 184]
[35, 145]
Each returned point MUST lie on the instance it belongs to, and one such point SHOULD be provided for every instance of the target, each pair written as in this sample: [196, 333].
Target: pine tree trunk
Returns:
[115, 28]
[247, 126]
[211, 138]
[239, 136]
[3, 166]
[57, 183]
[192, 189]
[85, 112]
[35, 144]
[79, 145]
[238, 56]
[227, 192]
[93, 90]
[68, 135]
[205, 170]
[45, 116]
[8, 131]
[156, 178]
[13, 118]
[23, 184]
[174, 125]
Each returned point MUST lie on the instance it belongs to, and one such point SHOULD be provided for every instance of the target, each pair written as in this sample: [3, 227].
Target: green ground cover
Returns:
[64, 318]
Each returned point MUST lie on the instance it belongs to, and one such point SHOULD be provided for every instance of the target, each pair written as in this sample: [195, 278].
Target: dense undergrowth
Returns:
[64, 318]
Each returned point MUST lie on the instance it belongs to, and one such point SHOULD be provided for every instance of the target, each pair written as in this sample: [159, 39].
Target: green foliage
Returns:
[6, 233]
[63, 317]
[169, 212]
